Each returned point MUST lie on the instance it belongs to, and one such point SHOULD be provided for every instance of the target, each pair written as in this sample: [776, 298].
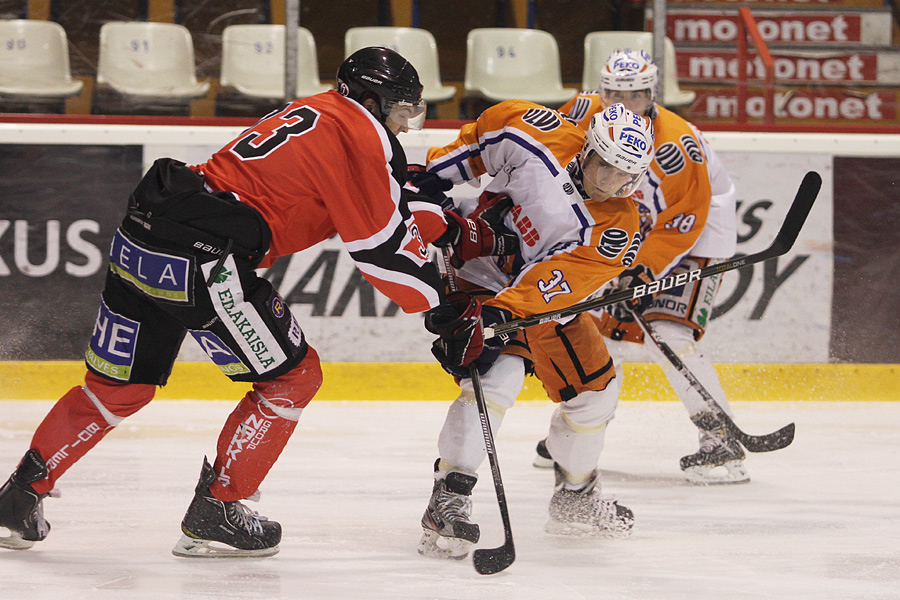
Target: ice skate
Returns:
[542, 460]
[21, 508]
[720, 459]
[215, 528]
[448, 533]
[584, 513]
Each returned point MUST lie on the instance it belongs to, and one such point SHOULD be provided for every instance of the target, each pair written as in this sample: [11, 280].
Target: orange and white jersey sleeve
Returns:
[719, 237]
[675, 195]
[527, 149]
[506, 135]
[571, 273]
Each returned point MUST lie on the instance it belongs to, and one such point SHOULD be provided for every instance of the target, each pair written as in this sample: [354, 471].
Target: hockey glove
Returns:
[471, 238]
[632, 277]
[457, 320]
[430, 185]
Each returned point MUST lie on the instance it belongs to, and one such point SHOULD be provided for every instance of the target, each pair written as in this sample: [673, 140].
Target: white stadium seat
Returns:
[253, 61]
[34, 60]
[416, 45]
[148, 59]
[509, 63]
[598, 45]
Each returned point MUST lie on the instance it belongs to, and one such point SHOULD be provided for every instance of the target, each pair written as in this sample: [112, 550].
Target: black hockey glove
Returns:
[430, 185]
[631, 277]
[458, 322]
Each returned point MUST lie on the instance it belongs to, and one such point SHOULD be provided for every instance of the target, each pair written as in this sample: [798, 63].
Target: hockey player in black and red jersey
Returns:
[688, 219]
[184, 259]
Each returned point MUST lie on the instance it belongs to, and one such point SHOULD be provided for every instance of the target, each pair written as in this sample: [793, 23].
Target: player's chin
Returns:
[599, 195]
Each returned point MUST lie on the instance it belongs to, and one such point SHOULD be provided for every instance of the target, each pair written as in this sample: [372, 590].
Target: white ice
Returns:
[820, 520]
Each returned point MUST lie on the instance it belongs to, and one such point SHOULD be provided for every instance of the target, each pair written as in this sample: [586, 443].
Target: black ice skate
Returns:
[21, 509]
[585, 513]
[542, 460]
[720, 458]
[214, 529]
[448, 533]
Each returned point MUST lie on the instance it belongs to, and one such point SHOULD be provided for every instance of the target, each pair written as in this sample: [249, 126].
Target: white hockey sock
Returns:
[681, 340]
[461, 442]
[578, 430]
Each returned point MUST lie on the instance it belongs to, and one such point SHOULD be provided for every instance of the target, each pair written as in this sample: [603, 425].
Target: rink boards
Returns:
[48, 380]
[64, 191]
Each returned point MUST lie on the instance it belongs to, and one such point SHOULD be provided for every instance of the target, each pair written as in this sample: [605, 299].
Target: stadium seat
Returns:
[34, 60]
[509, 63]
[598, 45]
[253, 61]
[416, 45]
[148, 59]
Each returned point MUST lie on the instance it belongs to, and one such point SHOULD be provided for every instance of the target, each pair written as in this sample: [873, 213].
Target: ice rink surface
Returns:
[820, 520]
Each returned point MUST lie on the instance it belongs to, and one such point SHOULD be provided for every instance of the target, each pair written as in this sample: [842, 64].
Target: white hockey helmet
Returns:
[630, 70]
[621, 139]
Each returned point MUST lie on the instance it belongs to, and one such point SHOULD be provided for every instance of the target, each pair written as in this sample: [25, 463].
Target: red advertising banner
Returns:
[792, 4]
[801, 27]
[822, 106]
[698, 65]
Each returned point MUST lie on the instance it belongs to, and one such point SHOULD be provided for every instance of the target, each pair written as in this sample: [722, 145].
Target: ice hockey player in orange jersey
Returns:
[578, 229]
[687, 204]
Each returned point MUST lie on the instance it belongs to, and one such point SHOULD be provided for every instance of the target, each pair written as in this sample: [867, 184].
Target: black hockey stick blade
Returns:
[753, 443]
[784, 240]
[488, 561]
[760, 443]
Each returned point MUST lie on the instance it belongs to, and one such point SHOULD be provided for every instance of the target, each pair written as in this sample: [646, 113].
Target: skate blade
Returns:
[542, 463]
[434, 545]
[583, 530]
[730, 472]
[14, 541]
[188, 547]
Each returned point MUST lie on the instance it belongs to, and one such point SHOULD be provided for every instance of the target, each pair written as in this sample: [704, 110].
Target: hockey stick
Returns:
[487, 561]
[790, 229]
[753, 443]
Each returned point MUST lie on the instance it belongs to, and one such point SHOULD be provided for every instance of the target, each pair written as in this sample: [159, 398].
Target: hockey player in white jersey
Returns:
[578, 229]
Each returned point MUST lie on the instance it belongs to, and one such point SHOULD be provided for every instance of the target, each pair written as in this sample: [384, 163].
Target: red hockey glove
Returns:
[457, 321]
[631, 277]
[471, 238]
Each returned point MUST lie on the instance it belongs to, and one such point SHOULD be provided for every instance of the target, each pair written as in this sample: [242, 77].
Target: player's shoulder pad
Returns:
[524, 115]
[677, 143]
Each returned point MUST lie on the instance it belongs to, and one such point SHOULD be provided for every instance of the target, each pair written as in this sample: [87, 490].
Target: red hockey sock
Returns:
[80, 419]
[257, 431]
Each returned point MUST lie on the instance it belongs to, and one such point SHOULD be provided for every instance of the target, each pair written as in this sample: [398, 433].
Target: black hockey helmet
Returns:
[383, 75]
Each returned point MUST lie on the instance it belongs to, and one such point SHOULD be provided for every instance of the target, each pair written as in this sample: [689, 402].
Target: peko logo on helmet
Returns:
[632, 138]
[625, 64]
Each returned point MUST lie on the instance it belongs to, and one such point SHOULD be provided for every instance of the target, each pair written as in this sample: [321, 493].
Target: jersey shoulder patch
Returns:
[670, 158]
[580, 108]
[542, 119]
[692, 148]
